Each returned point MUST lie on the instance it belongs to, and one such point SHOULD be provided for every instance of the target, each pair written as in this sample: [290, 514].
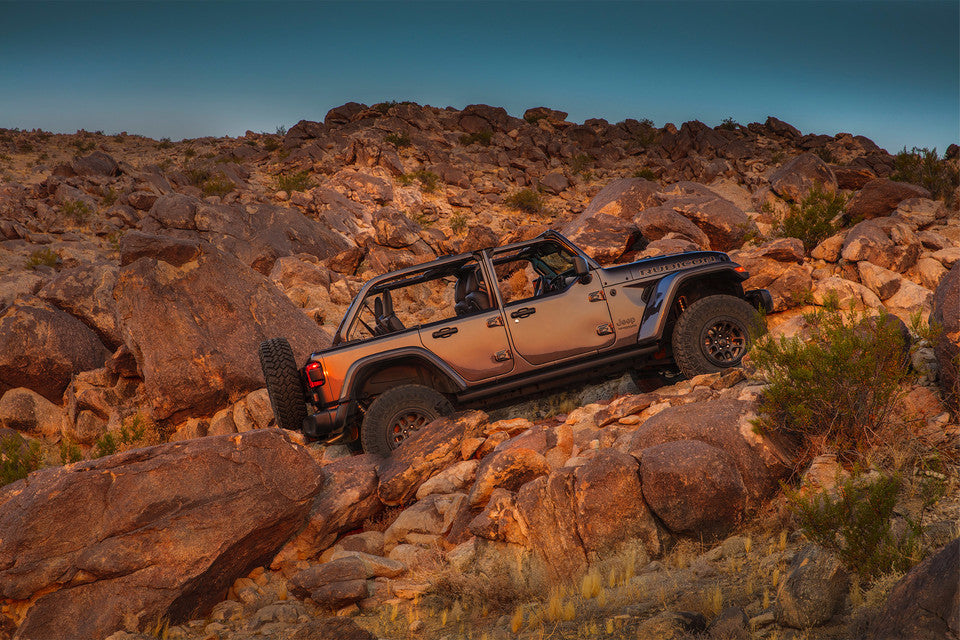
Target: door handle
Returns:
[446, 332]
[524, 312]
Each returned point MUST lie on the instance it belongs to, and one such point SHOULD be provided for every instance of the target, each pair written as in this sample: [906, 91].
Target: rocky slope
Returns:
[139, 276]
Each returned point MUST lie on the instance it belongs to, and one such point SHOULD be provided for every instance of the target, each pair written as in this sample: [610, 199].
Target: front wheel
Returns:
[396, 414]
[283, 383]
[713, 334]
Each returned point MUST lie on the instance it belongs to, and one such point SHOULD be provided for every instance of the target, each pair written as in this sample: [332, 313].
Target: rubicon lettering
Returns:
[683, 264]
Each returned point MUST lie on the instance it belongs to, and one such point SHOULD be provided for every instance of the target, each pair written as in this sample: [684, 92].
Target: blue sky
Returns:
[887, 70]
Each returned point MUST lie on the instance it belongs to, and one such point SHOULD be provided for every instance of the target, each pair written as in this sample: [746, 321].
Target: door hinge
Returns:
[604, 329]
[597, 296]
[502, 356]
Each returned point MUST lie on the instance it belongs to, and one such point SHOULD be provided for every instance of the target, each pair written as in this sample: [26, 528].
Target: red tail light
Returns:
[314, 373]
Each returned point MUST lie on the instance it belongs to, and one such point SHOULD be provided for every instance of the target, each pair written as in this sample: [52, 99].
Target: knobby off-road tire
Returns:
[283, 383]
[713, 334]
[395, 414]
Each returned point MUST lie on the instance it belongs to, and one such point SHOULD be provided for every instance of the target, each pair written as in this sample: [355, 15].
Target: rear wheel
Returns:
[283, 383]
[713, 334]
[397, 414]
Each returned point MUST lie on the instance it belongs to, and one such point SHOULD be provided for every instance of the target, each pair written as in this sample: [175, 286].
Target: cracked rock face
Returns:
[151, 533]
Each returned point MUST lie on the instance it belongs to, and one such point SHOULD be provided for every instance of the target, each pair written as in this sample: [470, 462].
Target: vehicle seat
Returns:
[387, 321]
[469, 297]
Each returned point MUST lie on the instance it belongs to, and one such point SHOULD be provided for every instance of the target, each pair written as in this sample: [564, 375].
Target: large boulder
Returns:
[726, 425]
[797, 176]
[424, 454]
[693, 488]
[813, 589]
[42, 349]
[28, 412]
[880, 198]
[946, 313]
[348, 497]
[194, 328]
[576, 512]
[97, 163]
[507, 469]
[723, 222]
[87, 293]
[882, 242]
[925, 603]
[152, 533]
[778, 266]
[617, 205]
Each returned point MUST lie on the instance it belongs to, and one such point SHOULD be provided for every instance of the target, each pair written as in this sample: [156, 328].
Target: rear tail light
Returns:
[314, 373]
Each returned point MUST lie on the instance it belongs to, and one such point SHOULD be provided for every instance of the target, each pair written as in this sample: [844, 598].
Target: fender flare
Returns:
[665, 292]
[359, 366]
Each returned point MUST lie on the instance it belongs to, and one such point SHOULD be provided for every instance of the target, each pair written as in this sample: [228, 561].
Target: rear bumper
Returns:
[760, 299]
[327, 421]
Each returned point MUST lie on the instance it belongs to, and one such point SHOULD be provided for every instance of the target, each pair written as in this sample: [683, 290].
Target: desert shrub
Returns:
[398, 140]
[43, 258]
[109, 197]
[83, 145]
[483, 138]
[384, 107]
[855, 523]
[189, 152]
[217, 185]
[645, 173]
[281, 130]
[526, 200]
[729, 124]
[290, 182]
[581, 162]
[837, 389]
[648, 135]
[69, 452]
[271, 144]
[164, 143]
[533, 118]
[458, 223]
[428, 179]
[813, 220]
[18, 459]
[133, 433]
[197, 175]
[925, 168]
[77, 210]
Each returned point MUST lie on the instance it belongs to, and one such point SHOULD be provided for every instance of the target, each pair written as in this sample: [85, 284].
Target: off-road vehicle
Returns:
[499, 324]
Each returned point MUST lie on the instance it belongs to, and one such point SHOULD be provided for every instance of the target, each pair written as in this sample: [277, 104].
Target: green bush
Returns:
[526, 200]
[837, 389]
[814, 219]
[648, 135]
[299, 181]
[925, 168]
[483, 138]
[856, 525]
[271, 144]
[17, 459]
[645, 173]
[428, 179]
[217, 185]
[164, 143]
[581, 162]
[69, 452]
[398, 140]
[43, 258]
[128, 436]
[729, 124]
[458, 223]
[77, 210]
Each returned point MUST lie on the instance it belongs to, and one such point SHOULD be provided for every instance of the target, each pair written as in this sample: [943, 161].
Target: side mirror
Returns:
[582, 270]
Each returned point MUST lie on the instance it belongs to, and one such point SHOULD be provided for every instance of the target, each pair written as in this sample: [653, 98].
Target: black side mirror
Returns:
[582, 270]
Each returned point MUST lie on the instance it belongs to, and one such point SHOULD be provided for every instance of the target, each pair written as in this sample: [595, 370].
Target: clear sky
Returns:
[887, 70]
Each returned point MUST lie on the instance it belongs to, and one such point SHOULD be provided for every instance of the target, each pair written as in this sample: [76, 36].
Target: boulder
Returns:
[726, 425]
[348, 497]
[97, 163]
[426, 452]
[723, 222]
[423, 521]
[882, 282]
[869, 240]
[781, 128]
[395, 229]
[693, 488]
[331, 629]
[28, 412]
[574, 513]
[87, 294]
[604, 237]
[925, 603]
[344, 113]
[946, 313]
[152, 533]
[42, 349]
[623, 198]
[195, 329]
[554, 182]
[880, 198]
[813, 589]
[507, 469]
[846, 291]
[657, 222]
[166, 248]
[459, 477]
[778, 267]
[797, 176]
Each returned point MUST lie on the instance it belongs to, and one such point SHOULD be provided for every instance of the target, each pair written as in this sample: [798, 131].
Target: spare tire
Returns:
[283, 383]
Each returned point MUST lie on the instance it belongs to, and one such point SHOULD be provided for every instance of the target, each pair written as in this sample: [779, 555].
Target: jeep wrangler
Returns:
[492, 326]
